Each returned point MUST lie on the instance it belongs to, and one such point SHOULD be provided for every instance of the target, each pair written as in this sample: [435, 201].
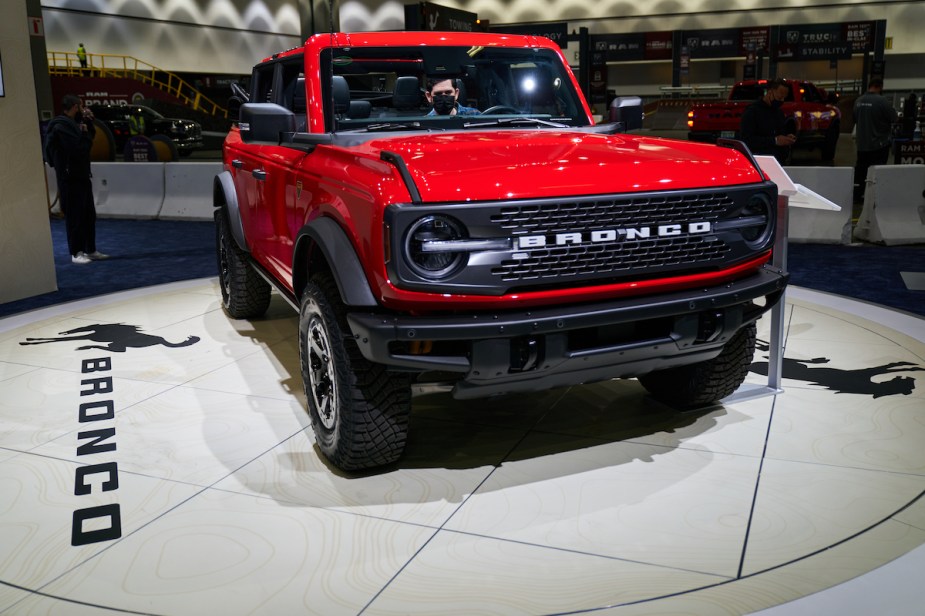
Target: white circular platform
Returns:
[590, 498]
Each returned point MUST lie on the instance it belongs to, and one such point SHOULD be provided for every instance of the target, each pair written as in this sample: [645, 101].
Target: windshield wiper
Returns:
[386, 126]
[515, 122]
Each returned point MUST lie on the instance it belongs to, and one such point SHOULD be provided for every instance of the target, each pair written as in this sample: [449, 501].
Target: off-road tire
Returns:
[244, 293]
[706, 382]
[359, 411]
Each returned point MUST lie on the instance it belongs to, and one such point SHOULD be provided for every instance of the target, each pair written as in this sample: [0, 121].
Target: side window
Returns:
[292, 85]
[262, 84]
[292, 90]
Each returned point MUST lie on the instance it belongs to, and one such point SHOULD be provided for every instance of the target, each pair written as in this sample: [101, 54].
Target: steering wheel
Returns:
[500, 109]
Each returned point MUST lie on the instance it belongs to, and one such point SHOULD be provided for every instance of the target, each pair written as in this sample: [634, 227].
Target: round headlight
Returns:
[758, 213]
[424, 249]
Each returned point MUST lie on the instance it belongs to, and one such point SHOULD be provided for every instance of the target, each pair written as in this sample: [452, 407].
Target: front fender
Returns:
[224, 195]
[328, 237]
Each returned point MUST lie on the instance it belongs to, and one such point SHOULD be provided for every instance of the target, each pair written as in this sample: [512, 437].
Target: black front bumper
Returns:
[533, 350]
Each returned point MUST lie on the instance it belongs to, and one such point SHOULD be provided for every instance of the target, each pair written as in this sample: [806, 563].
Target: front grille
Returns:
[611, 258]
[608, 213]
[558, 243]
[616, 257]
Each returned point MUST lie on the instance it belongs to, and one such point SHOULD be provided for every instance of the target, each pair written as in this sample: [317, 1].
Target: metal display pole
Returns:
[788, 195]
[749, 391]
[776, 343]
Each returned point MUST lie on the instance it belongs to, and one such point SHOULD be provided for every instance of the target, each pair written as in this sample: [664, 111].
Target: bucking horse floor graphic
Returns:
[846, 381]
[114, 337]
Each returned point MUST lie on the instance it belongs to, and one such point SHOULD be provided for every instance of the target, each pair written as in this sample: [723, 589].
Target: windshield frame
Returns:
[529, 82]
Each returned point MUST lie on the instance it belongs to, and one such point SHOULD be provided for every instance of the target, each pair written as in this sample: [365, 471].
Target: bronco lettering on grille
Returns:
[613, 235]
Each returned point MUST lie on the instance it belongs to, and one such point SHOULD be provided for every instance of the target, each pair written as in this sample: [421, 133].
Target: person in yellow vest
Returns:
[136, 123]
[82, 55]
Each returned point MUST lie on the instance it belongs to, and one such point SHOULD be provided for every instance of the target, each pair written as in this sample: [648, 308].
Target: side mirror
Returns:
[265, 122]
[628, 110]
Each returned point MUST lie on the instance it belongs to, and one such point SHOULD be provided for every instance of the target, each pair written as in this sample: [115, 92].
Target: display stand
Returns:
[788, 195]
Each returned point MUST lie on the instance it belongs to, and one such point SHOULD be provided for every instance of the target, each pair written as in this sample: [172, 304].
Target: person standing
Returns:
[136, 122]
[82, 55]
[910, 115]
[874, 117]
[764, 128]
[67, 148]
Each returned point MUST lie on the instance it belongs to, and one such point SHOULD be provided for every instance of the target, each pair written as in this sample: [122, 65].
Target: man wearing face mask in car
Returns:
[442, 94]
[764, 128]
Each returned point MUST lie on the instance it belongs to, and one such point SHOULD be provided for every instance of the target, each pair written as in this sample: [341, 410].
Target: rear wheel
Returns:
[359, 411]
[244, 293]
[708, 381]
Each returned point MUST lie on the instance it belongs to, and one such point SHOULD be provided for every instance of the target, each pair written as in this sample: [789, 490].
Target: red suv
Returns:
[512, 246]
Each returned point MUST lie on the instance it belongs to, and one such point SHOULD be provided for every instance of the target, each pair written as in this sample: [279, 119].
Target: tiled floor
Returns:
[591, 498]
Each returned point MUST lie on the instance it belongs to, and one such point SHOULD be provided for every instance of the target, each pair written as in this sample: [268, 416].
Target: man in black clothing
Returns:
[873, 117]
[763, 128]
[67, 148]
[910, 115]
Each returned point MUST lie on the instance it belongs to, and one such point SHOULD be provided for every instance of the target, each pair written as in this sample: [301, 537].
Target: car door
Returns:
[273, 175]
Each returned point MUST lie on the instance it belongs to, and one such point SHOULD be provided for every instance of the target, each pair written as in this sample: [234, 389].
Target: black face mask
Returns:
[79, 117]
[776, 104]
[444, 104]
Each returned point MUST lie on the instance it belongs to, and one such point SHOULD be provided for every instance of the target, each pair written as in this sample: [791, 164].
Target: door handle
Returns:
[237, 164]
[260, 174]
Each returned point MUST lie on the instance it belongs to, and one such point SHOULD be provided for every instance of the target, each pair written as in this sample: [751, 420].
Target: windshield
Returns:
[440, 88]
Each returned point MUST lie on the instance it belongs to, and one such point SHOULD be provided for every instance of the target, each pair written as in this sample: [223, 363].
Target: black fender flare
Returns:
[332, 241]
[224, 195]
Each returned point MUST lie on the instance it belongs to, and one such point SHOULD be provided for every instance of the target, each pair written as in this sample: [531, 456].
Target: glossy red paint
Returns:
[484, 166]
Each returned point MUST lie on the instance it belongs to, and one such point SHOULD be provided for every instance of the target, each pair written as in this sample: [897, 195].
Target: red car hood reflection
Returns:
[516, 164]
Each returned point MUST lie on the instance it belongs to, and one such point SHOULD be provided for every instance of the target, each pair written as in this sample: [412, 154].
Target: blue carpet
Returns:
[142, 253]
[863, 271]
[151, 252]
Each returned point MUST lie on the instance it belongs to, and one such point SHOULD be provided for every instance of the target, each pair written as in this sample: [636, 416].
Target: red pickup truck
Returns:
[817, 121]
[505, 245]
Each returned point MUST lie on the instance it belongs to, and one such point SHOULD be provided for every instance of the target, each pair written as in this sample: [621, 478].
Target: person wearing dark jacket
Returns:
[763, 128]
[873, 125]
[910, 113]
[67, 148]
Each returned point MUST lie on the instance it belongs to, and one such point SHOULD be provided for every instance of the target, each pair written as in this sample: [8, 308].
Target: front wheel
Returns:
[705, 382]
[244, 293]
[359, 411]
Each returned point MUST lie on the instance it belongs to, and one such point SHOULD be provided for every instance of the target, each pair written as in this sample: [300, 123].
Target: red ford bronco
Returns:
[496, 241]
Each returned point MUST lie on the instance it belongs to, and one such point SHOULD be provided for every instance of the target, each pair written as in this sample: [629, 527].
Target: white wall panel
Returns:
[229, 36]
[27, 265]
[215, 36]
[278, 16]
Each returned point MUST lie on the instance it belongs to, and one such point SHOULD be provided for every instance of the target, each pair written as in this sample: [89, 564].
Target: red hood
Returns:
[515, 164]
